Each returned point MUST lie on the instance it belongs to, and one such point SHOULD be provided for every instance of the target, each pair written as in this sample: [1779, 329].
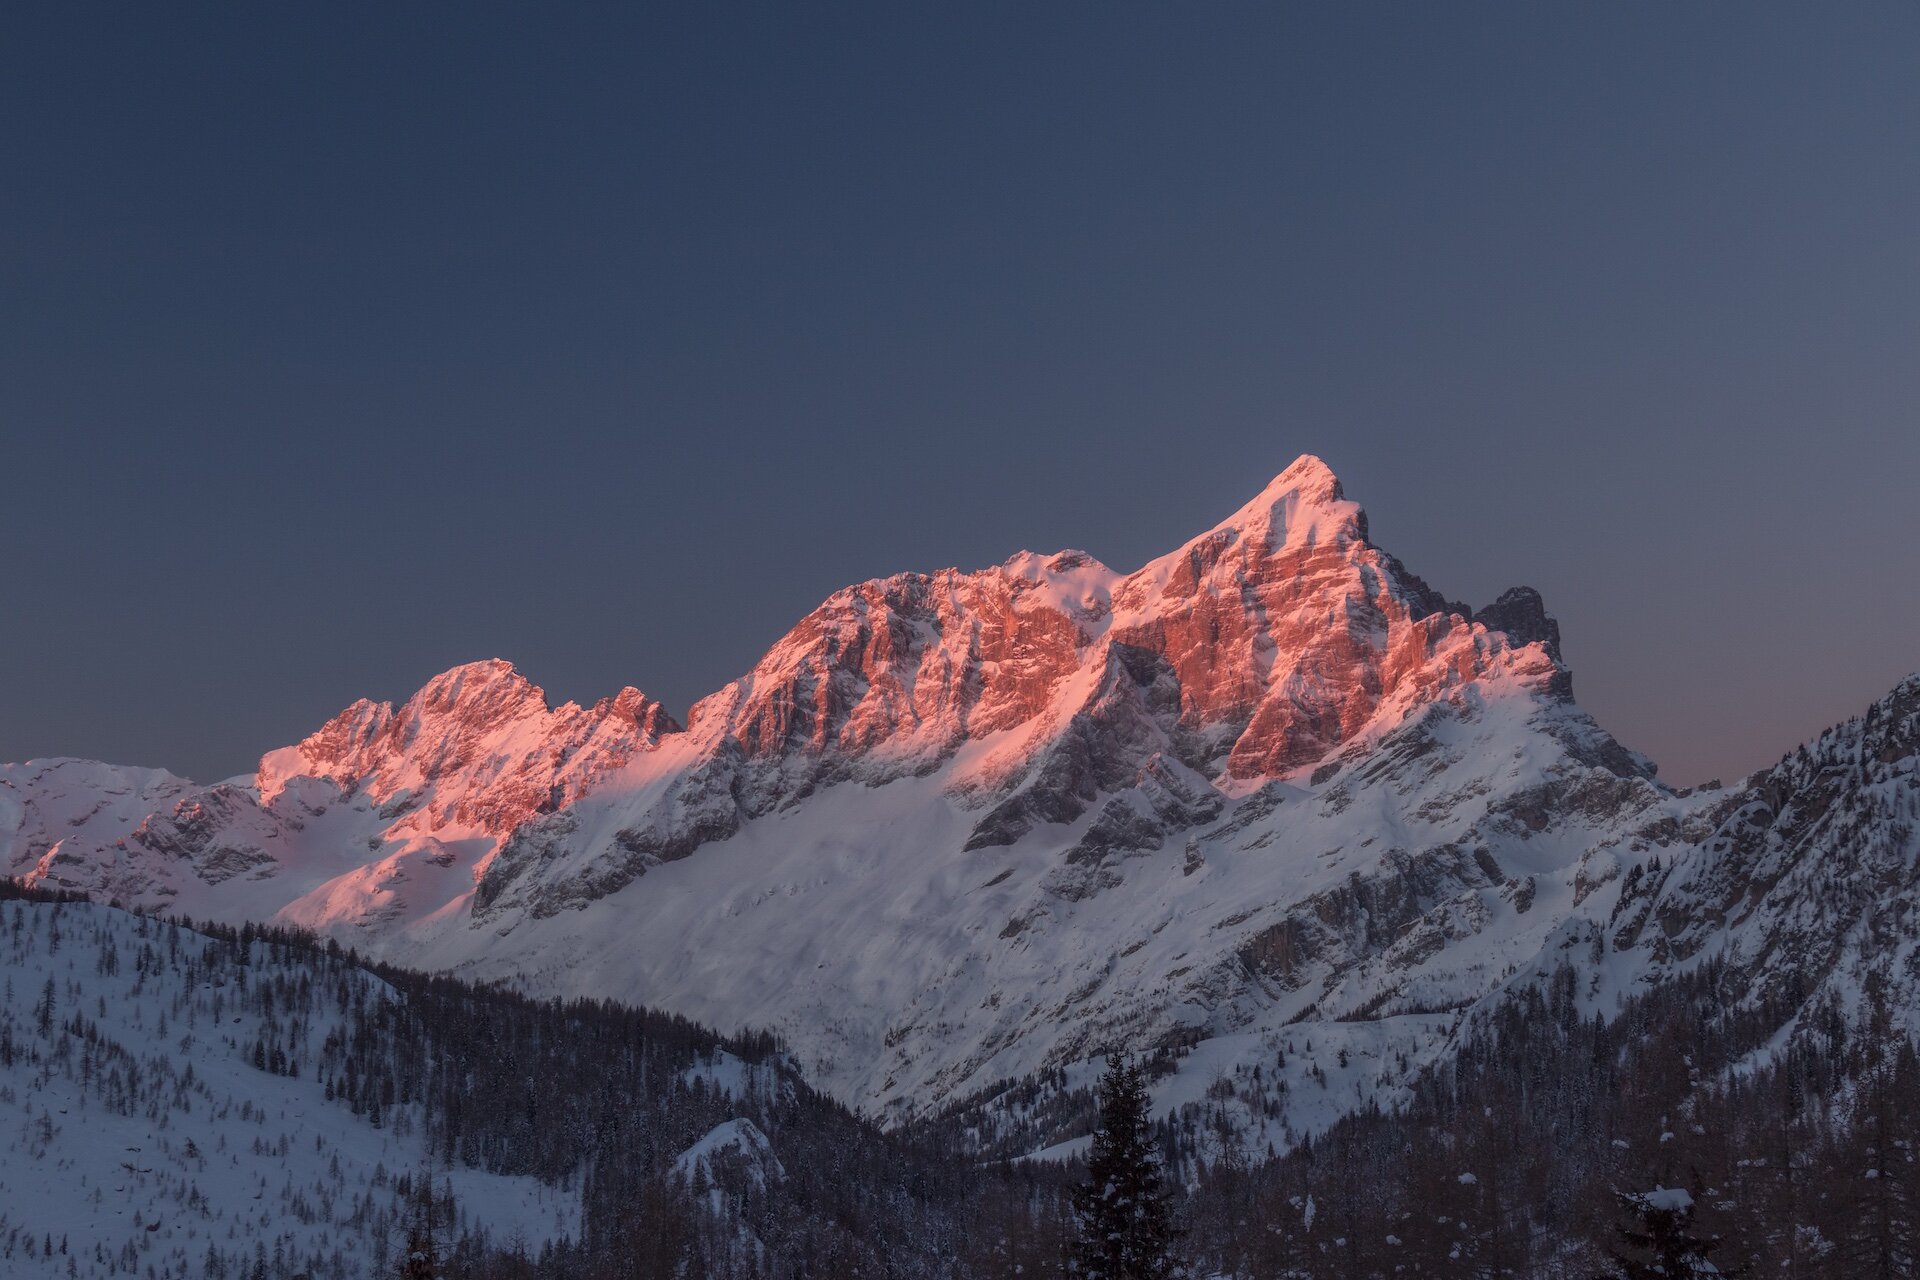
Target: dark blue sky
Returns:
[340, 345]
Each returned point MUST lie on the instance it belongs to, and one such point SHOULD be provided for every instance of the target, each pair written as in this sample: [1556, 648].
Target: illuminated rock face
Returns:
[477, 747]
[910, 666]
[1257, 649]
[1289, 633]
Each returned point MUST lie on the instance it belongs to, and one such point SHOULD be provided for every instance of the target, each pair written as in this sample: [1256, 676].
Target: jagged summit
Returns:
[1291, 634]
[476, 747]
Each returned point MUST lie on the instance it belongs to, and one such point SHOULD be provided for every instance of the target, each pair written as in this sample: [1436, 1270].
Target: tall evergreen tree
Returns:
[420, 1256]
[1659, 1242]
[1125, 1216]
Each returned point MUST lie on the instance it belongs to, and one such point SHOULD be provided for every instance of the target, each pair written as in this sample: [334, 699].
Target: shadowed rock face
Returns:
[1811, 870]
[1521, 615]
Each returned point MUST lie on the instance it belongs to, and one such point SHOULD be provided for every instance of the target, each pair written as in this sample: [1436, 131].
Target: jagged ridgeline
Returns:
[227, 1102]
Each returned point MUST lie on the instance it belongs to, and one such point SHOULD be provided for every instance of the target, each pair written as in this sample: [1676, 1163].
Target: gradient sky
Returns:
[341, 345]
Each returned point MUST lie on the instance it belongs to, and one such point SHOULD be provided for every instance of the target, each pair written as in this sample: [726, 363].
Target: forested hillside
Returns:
[1508, 1160]
[187, 1102]
[192, 1102]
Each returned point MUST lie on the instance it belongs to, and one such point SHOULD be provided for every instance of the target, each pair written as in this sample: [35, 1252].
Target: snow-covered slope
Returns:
[959, 828]
[75, 813]
[138, 1135]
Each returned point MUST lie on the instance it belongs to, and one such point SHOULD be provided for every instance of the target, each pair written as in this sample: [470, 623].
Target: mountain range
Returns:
[1270, 806]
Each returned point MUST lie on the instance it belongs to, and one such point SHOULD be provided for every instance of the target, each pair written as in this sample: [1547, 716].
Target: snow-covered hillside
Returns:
[164, 1110]
[199, 1101]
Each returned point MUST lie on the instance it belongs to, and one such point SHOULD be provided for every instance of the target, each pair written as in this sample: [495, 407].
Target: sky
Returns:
[339, 345]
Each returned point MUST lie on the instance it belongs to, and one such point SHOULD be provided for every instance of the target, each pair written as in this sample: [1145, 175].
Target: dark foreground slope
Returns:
[231, 1103]
[1509, 1160]
[183, 1101]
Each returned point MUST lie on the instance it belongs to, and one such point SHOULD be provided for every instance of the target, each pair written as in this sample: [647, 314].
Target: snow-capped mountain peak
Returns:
[1303, 505]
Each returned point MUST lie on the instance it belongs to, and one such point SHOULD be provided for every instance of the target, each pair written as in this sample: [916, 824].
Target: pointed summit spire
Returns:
[1302, 505]
[1308, 472]
[1309, 481]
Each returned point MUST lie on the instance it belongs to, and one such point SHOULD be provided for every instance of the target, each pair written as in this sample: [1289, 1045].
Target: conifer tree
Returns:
[43, 1012]
[1125, 1217]
[1659, 1241]
[420, 1258]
